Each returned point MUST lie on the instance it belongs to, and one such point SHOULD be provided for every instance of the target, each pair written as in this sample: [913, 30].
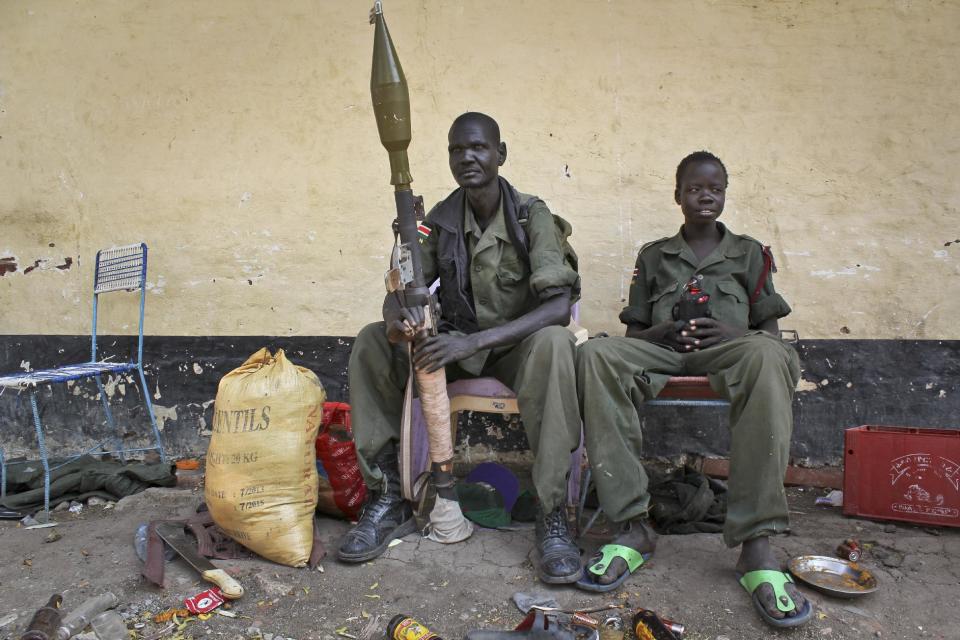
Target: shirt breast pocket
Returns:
[510, 274]
[661, 292]
[661, 303]
[731, 304]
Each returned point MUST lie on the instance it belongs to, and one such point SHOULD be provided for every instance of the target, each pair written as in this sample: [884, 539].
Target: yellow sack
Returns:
[261, 477]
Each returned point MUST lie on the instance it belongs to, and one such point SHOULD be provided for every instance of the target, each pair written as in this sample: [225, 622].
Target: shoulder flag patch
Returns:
[424, 231]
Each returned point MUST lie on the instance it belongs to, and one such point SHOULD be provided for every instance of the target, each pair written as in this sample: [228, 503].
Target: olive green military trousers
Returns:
[757, 373]
[540, 370]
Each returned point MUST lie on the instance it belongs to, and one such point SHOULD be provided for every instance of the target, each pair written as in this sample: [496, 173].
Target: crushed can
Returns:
[647, 625]
[611, 628]
[205, 601]
[850, 549]
[580, 619]
[403, 627]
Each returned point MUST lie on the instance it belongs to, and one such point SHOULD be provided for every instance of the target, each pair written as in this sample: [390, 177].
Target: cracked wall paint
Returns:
[48, 264]
[8, 265]
[162, 414]
[117, 384]
[267, 200]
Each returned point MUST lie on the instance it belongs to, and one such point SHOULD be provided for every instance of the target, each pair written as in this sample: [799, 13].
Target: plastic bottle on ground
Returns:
[77, 619]
[140, 544]
[110, 626]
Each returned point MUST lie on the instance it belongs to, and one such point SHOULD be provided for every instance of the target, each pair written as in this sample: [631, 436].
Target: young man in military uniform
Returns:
[737, 346]
[505, 296]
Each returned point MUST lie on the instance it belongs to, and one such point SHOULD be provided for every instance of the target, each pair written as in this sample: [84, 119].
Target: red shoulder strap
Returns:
[768, 266]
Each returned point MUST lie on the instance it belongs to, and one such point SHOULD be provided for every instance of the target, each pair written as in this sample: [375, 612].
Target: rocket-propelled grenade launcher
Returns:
[391, 107]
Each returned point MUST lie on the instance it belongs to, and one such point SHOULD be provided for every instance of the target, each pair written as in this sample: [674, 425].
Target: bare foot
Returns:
[756, 554]
[635, 534]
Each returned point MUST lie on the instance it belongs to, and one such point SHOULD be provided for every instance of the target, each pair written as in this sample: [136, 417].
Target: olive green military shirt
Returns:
[730, 274]
[504, 287]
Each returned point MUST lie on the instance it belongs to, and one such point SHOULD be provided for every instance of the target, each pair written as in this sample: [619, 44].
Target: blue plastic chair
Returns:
[117, 269]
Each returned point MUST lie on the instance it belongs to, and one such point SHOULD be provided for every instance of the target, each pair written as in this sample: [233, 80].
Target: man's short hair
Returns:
[696, 158]
[482, 119]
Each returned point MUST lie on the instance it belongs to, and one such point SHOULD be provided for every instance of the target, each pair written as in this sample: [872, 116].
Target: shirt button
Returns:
[478, 268]
[482, 301]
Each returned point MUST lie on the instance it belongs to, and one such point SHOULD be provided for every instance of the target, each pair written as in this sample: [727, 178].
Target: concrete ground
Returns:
[454, 589]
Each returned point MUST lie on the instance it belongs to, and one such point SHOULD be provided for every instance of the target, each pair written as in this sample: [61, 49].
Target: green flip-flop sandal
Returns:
[600, 562]
[751, 580]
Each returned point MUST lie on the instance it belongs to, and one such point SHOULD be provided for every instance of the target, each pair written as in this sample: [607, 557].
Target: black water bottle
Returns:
[693, 303]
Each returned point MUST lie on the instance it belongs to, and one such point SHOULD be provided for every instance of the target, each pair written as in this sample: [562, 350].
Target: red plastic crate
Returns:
[902, 473]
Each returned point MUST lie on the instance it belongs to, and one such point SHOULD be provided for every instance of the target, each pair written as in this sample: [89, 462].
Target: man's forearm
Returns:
[636, 331]
[551, 312]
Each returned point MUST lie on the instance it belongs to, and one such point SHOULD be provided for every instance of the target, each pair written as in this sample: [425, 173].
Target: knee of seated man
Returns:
[594, 352]
[372, 334]
[595, 347]
[767, 349]
[379, 327]
[554, 335]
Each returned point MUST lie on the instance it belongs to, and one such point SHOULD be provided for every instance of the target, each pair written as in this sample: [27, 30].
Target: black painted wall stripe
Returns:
[848, 382]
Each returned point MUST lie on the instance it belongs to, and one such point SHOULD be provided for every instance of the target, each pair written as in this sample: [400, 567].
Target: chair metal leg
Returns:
[593, 519]
[43, 452]
[584, 491]
[574, 478]
[153, 421]
[117, 440]
[3, 475]
[584, 494]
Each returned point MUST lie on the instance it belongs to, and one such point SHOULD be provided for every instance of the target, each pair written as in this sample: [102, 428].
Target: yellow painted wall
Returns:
[236, 138]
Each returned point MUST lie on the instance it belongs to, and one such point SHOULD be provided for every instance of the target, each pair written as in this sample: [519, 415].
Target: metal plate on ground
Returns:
[833, 576]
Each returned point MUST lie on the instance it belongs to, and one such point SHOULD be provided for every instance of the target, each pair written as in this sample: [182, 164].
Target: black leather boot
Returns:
[559, 556]
[385, 517]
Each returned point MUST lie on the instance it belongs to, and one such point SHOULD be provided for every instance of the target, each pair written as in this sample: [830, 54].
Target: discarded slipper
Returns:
[601, 561]
[776, 579]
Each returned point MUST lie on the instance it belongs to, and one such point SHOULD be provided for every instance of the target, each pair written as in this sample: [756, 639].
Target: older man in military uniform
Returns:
[505, 295]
